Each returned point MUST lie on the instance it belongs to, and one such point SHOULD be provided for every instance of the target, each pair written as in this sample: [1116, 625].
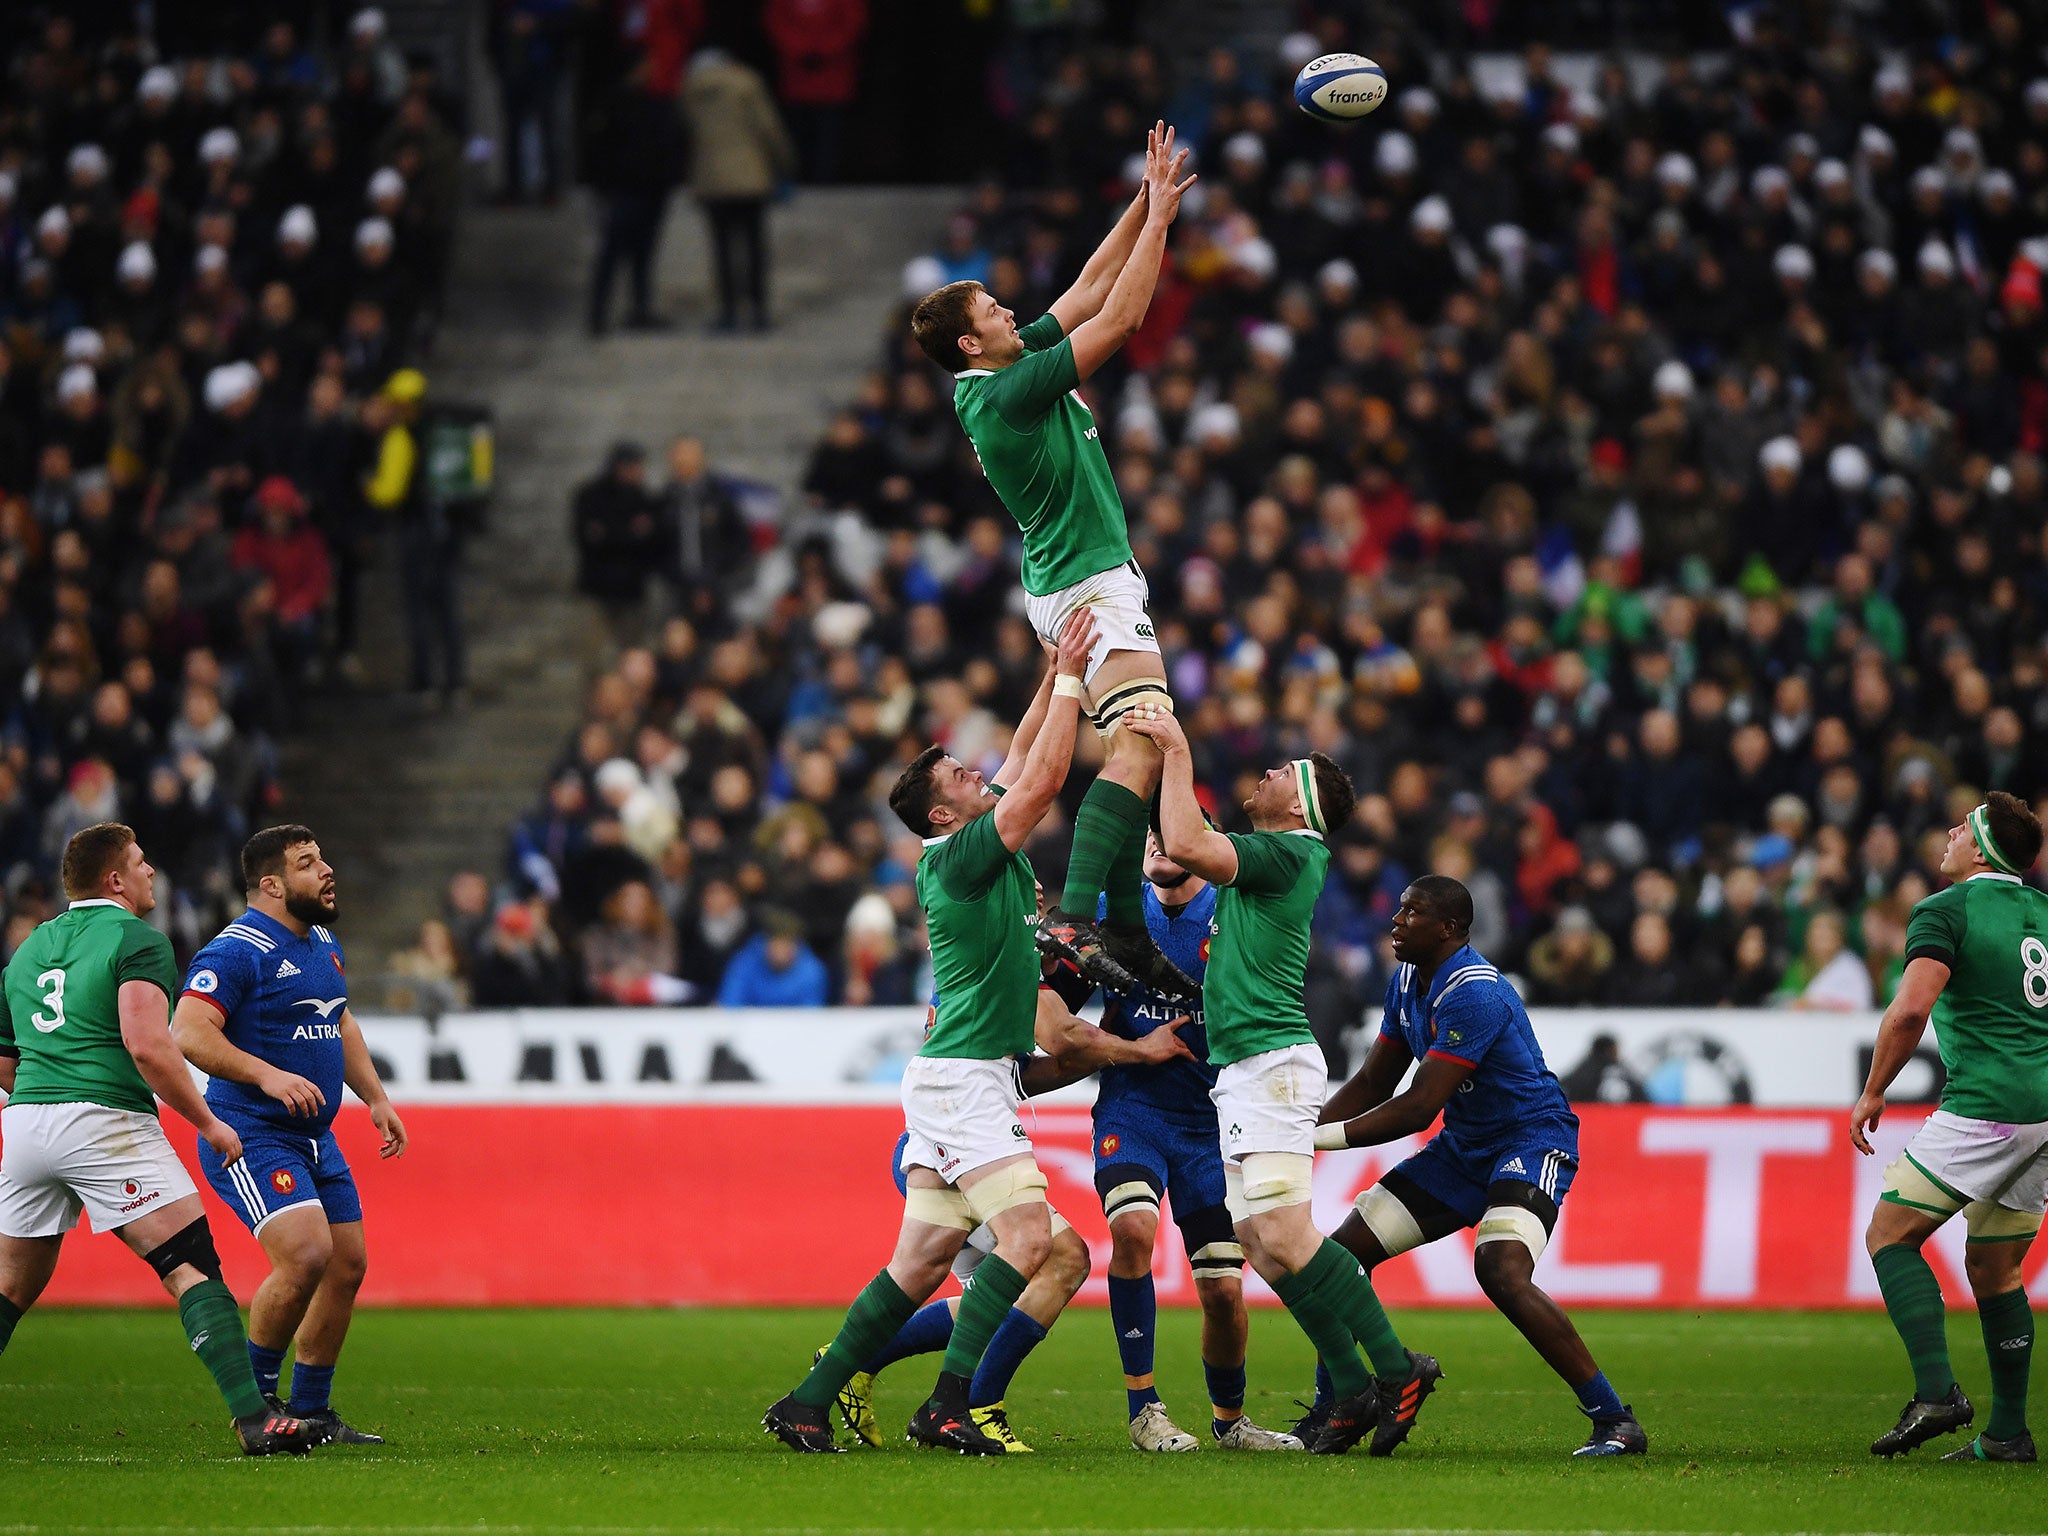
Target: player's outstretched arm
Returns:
[1026, 735]
[1073, 1048]
[200, 1031]
[1096, 340]
[146, 1032]
[1085, 299]
[360, 1073]
[1405, 1114]
[1183, 836]
[1045, 768]
[1386, 1062]
[1898, 1036]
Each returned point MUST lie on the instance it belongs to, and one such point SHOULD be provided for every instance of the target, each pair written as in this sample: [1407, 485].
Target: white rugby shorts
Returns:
[961, 1115]
[1118, 597]
[2002, 1164]
[1270, 1102]
[59, 1159]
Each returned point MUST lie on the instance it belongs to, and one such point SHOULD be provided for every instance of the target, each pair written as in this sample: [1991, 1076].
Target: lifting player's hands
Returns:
[1077, 639]
[295, 1093]
[1164, 1044]
[1863, 1120]
[1157, 726]
[1163, 165]
[222, 1138]
[390, 1127]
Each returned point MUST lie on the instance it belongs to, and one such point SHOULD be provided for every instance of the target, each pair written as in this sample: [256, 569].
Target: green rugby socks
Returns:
[1304, 1293]
[1351, 1297]
[1110, 816]
[10, 1314]
[213, 1324]
[871, 1322]
[990, 1293]
[1912, 1297]
[2009, 1340]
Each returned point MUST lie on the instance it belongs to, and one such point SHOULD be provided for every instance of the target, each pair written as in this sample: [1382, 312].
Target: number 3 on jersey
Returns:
[52, 985]
[2034, 957]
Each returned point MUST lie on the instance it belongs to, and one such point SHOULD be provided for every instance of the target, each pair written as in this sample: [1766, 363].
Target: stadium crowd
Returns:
[1636, 484]
[216, 268]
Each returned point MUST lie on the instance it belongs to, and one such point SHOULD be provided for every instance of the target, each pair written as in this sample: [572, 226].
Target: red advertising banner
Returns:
[792, 1204]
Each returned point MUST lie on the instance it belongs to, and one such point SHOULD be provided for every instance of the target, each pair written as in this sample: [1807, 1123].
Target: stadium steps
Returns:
[402, 797]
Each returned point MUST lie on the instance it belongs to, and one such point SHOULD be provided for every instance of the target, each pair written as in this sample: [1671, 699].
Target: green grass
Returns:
[644, 1423]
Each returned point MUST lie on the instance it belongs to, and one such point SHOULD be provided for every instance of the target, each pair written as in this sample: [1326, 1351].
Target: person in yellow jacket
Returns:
[429, 541]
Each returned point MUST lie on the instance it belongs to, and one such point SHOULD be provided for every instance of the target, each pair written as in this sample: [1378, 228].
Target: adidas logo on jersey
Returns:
[286, 968]
[1516, 1167]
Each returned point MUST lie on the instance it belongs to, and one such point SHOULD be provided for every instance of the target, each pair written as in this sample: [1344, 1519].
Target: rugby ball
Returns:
[1339, 87]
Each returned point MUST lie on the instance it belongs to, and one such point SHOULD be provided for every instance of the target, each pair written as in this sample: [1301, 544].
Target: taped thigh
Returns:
[1275, 1180]
[1389, 1221]
[1127, 1187]
[1006, 1189]
[1513, 1224]
[1111, 707]
[1907, 1183]
[1214, 1252]
[941, 1207]
[1990, 1222]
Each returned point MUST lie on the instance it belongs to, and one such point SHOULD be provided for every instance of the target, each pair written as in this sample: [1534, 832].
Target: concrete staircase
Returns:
[402, 798]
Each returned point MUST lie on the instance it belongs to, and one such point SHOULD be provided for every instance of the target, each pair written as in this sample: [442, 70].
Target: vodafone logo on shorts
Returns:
[131, 1188]
[136, 1199]
[283, 1182]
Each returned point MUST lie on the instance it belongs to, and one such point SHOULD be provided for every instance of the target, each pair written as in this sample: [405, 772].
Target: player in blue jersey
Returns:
[265, 1016]
[1503, 1161]
[1156, 1136]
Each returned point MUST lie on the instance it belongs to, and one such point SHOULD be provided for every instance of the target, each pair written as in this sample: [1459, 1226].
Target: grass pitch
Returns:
[599, 1423]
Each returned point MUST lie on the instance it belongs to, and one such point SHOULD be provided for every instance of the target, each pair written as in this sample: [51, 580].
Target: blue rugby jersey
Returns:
[281, 997]
[1469, 1014]
[1180, 1088]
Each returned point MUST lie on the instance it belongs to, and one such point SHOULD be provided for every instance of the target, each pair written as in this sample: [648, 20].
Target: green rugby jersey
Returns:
[62, 1012]
[1040, 449]
[981, 906]
[1991, 1020]
[1258, 964]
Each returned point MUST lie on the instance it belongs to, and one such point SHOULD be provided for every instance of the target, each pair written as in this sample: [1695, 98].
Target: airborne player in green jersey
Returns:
[85, 1051]
[1977, 963]
[1018, 398]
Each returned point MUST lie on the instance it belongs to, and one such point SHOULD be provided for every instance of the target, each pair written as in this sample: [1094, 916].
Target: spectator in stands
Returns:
[284, 550]
[630, 957]
[1602, 1077]
[1829, 975]
[705, 543]
[432, 973]
[527, 40]
[776, 969]
[817, 56]
[1568, 966]
[739, 154]
[616, 520]
[517, 963]
[635, 161]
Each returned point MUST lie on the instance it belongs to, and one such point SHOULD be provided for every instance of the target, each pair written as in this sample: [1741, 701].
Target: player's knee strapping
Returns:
[1990, 1222]
[1272, 1181]
[1128, 1190]
[1389, 1221]
[1513, 1224]
[1907, 1183]
[1006, 1189]
[1214, 1252]
[1111, 708]
[192, 1244]
[942, 1207]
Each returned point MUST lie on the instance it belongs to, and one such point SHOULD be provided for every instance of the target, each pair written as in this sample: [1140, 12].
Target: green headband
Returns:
[1980, 829]
[1311, 797]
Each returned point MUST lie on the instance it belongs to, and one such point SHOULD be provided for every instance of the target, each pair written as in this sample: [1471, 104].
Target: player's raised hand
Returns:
[222, 1138]
[1157, 726]
[1863, 1120]
[391, 1128]
[1163, 167]
[1077, 639]
[1164, 1044]
[295, 1093]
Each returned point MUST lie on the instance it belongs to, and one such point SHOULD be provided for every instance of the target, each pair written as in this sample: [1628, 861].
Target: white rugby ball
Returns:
[1339, 87]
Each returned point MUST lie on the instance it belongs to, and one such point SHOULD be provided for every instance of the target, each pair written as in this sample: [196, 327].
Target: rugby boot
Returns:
[856, 1402]
[1309, 1426]
[1923, 1420]
[994, 1422]
[945, 1428]
[1616, 1437]
[268, 1433]
[1401, 1401]
[1349, 1420]
[1241, 1434]
[2019, 1448]
[329, 1429]
[1080, 942]
[1133, 947]
[799, 1426]
[1152, 1430]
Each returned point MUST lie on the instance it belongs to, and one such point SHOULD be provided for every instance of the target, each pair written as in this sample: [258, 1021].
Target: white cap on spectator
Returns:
[1928, 179]
[1562, 137]
[367, 23]
[1138, 419]
[1588, 108]
[211, 259]
[1878, 259]
[158, 83]
[1215, 422]
[1508, 242]
[1432, 215]
[1804, 145]
[220, 144]
[1255, 258]
[1503, 85]
[1394, 154]
[1830, 173]
[1133, 170]
[386, 182]
[1780, 453]
[136, 264]
[1420, 98]
[1873, 140]
[1676, 170]
[1672, 381]
[1793, 263]
[1892, 79]
[83, 344]
[921, 274]
[1849, 469]
[55, 221]
[2037, 94]
[231, 382]
[1297, 49]
[78, 382]
[7, 187]
[1244, 149]
[617, 776]
[1962, 141]
[2036, 252]
[1271, 339]
[871, 916]
[1996, 183]
[298, 226]
[1769, 178]
[1937, 258]
[373, 232]
[87, 160]
[1339, 273]
[840, 624]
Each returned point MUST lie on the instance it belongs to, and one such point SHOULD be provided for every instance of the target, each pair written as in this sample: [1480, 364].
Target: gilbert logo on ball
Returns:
[1340, 86]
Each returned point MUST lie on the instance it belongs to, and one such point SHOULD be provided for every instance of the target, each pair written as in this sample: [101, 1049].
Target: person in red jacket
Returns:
[817, 60]
[284, 549]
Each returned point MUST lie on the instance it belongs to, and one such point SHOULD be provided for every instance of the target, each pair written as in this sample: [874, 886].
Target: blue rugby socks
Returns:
[268, 1364]
[928, 1331]
[1018, 1334]
[1134, 1313]
[1599, 1398]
